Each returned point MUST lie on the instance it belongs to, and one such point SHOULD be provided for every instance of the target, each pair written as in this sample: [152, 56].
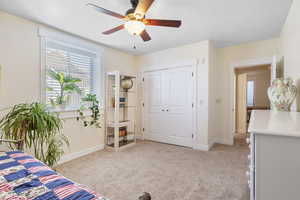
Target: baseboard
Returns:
[201, 147]
[72, 156]
[225, 141]
[139, 137]
[212, 141]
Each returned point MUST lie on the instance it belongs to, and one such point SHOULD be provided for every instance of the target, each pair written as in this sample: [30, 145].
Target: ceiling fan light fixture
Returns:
[135, 27]
[138, 15]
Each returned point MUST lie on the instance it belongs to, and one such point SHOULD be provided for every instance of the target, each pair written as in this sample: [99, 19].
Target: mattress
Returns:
[23, 177]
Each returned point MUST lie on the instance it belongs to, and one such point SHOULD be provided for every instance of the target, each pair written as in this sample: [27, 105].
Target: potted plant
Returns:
[68, 85]
[90, 102]
[37, 128]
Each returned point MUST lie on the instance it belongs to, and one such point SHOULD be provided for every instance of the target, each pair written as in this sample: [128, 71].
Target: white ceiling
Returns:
[227, 22]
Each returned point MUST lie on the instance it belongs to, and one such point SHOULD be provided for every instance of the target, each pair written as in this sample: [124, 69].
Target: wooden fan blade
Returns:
[161, 22]
[118, 28]
[145, 36]
[105, 11]
[143, 7]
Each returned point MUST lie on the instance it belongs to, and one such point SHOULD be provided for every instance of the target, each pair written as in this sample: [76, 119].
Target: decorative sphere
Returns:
[126, 83]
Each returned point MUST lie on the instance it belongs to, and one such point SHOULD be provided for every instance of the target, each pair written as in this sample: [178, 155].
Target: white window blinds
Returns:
[71, 61]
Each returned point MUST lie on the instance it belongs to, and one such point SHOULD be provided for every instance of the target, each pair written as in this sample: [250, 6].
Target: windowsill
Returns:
[59, 110]
[70, 113]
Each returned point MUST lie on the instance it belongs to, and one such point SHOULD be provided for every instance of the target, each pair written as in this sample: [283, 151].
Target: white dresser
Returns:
[274, 160]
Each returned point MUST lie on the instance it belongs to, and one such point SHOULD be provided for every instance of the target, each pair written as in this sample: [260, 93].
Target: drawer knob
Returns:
[251, 168]
[248, 174]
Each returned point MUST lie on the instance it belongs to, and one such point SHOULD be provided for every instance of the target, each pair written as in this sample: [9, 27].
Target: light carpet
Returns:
[167, 172]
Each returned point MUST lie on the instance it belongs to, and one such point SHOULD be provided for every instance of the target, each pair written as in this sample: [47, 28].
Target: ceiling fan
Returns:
[135, 21]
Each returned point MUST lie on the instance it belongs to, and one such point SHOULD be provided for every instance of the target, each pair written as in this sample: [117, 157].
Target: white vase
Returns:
[282, 93]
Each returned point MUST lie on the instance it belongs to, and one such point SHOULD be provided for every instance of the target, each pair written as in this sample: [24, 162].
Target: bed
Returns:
[23, 177]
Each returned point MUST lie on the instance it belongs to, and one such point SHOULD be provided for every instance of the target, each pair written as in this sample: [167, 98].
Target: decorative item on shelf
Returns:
[67, 86]
[122, 99]
[113, 102]
[126, 83]
[38, 129]
[282, 93]
[90, 102]
[122, 132]
[122, 102]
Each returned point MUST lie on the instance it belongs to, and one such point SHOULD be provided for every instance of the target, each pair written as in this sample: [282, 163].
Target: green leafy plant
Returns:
[68, 85]
[90, 102]
[38, 129]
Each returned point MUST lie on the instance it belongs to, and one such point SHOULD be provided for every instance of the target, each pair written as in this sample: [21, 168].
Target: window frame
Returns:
[68, 40]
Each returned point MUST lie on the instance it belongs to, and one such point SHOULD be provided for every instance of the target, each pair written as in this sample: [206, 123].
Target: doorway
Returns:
[252, 84]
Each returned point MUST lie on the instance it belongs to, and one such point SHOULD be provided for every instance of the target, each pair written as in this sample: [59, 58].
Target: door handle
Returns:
[163, 110]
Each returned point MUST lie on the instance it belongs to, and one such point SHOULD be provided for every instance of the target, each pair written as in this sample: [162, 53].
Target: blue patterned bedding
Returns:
[24, 178]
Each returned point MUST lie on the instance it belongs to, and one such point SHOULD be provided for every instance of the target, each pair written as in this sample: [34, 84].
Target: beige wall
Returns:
[225, 58]
[174, 55]
[290, 40]
[20, 75]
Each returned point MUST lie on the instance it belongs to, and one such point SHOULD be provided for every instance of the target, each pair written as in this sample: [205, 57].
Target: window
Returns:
[250, 93]
[68, 56]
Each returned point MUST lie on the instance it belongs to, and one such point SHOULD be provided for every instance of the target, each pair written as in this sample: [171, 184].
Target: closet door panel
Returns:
[179, 109]
[154, 103]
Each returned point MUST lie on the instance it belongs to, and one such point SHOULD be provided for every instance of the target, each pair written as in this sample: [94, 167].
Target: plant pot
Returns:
[282, 94]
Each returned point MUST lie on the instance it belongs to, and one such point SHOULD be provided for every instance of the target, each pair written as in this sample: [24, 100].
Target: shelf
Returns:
[130, 134]
[117, 73]
[113, 93]
[122, 143]
[120, 108]
[110, 107]
[120, 124]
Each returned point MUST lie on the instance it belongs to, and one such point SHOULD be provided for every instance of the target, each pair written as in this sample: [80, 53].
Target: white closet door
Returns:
[179, 106]
[153, 101]
[168, 106]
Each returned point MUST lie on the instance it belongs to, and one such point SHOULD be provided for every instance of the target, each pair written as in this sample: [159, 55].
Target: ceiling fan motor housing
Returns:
[130, 11]
[134, 4]
[131, 15]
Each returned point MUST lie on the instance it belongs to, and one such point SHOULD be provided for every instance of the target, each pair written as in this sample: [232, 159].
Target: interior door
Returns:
[154, 123]
[170, 119]
[241, 101]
